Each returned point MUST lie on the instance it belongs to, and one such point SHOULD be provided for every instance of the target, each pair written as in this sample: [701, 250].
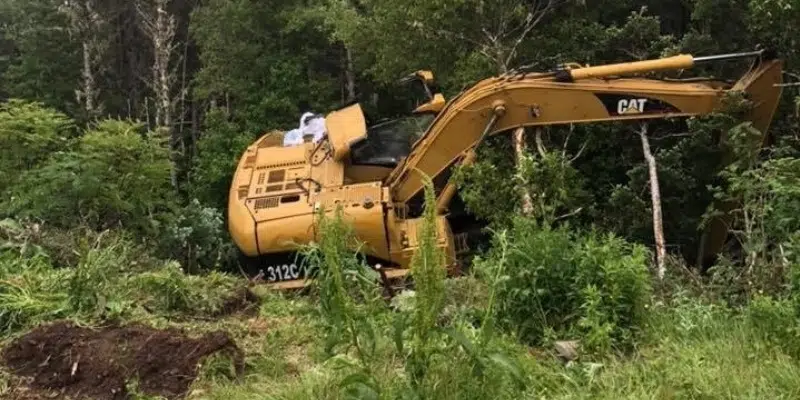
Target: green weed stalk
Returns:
[349, 299]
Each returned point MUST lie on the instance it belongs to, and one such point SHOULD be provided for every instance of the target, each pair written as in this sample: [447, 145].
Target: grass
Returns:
[692, 351]
[690, 348]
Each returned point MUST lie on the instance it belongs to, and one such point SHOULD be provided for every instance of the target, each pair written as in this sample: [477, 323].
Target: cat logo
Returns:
[631, 106]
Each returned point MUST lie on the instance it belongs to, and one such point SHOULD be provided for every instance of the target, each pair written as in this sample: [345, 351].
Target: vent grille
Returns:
[266, 203]
[277, 176]
[260, 178]
[285, 165]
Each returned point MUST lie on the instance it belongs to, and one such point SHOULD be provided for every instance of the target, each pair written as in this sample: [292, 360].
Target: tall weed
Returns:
[428, 272]
[349, 300]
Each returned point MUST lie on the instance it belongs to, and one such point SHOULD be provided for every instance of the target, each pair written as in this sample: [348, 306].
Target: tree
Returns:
[38, 59]
[159, 26]
[87, 24]
[655, 196]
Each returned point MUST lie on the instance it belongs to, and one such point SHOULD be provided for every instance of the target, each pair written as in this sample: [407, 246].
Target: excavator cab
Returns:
[388, 142]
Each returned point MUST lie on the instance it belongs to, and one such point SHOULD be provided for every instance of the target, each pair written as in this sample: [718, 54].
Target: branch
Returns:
[530, 23]
[580, 152]
[539, 144]
[569, 214]
[672, 135]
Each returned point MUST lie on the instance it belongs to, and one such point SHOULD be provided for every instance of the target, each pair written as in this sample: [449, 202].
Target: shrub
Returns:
[196, 236]
[218, 153]
[28, 133]
[560, 282]
[115, 176]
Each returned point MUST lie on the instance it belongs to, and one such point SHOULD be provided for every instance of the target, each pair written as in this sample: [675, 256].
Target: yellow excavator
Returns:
[376, 172]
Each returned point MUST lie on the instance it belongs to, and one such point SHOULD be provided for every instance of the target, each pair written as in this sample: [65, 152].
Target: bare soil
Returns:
[64, 361]
[241, 301]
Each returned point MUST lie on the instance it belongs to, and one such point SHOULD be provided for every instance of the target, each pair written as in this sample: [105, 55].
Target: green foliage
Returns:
[639, 38]
[196, 236]
[264, 79]
[556, 187]
[30, 292]
[42, 61]
[258, 60]
[428, 270]
[564, 283]
[485, 181]
[761, 198]
[685, 170]
[218, 153]
[29, 133]
[113, 176]
[112, 278]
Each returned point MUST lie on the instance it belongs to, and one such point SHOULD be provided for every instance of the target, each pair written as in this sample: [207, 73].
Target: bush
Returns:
[218, 153]
[114, 177]
[196, 236]
[563, 283]
[28, 133]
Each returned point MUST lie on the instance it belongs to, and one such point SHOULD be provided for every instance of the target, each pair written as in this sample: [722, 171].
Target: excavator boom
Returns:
[582, 95]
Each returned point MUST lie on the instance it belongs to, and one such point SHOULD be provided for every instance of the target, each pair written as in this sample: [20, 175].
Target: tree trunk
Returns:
[518, 141]
[350, 75]
[87, 24]
[519, 151]
[655, 196]
[159, 25]
[88, 80]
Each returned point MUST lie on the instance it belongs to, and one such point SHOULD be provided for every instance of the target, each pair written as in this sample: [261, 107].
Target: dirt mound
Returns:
[62, 361]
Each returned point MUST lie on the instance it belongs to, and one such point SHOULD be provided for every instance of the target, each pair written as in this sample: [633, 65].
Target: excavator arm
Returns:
[583, 95]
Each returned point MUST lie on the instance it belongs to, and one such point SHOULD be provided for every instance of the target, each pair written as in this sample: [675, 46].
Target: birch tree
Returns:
[159, 25]
[655, 198]
[87, 24]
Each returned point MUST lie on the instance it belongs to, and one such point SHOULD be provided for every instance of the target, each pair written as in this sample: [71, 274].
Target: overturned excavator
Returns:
[376, 172]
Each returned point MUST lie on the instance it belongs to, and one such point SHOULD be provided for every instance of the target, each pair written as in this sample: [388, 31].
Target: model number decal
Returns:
[282, 272]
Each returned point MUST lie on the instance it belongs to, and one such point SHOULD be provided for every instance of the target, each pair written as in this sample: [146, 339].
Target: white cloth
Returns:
[313, 124]
[310, 124]
[293, 138]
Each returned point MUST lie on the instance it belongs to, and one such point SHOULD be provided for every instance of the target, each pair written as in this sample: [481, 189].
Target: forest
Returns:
[122, 123]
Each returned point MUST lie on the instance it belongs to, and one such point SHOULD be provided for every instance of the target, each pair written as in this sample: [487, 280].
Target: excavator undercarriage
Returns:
[376, 172]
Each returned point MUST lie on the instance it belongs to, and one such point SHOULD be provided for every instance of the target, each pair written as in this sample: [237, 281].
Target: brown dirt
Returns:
[104, 360]
[242, 300]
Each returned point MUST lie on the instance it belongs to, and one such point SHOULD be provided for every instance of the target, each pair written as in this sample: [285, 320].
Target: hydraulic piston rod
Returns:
[682, 61]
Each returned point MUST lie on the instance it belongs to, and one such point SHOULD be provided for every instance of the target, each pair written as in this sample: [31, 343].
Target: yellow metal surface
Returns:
[435, 105]
[344, 127]
[676, 62]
